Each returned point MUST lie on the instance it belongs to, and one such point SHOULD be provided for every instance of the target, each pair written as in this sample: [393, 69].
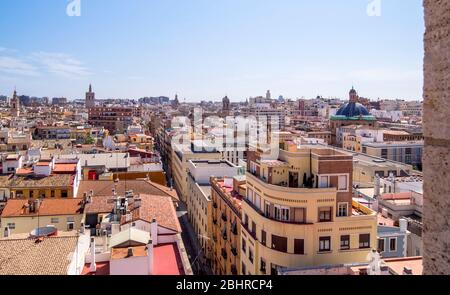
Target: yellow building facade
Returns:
[298, 212]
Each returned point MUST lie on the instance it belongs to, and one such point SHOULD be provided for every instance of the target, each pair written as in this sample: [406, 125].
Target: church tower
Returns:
[15, 105]
[90, 98]
[226, 104]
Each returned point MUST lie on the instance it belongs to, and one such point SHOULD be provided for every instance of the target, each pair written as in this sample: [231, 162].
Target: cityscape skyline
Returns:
[204, 52]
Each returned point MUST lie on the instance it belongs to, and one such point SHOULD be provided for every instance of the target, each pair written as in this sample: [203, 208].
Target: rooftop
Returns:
[167, 260]
[156, 207]
[58, 180]
[50, 256]
[104, 188]
[48, 207]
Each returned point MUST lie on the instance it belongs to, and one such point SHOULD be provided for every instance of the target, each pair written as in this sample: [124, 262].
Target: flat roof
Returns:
[212, 163]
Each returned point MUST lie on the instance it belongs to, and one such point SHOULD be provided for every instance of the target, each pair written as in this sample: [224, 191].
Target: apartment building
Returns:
[114, 118]
[227, 196]
[181, 155]
[408, 152]
[199, 201]
[299, 211]
[24, 216]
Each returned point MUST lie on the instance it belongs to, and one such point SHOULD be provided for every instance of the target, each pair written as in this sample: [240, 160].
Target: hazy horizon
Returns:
[204, 50]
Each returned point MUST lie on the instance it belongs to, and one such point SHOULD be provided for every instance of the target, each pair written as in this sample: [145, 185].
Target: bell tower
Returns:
[90, 98]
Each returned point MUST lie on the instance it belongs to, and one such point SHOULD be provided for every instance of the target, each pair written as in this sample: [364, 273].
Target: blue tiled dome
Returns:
[353, 109]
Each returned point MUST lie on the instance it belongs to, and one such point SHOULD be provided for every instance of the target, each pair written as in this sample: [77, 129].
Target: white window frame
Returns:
[390, 239]
[339, 209]
[285, 213]
[54, 220]
[11, 225]
[267, 206]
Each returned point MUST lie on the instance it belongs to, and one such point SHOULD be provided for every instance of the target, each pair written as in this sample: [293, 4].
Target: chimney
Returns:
[105, 241]
[150, 257]
[377, 185]
[130, 252]
[154, 232]
[93, 267]
[407, 271]
[37, 204]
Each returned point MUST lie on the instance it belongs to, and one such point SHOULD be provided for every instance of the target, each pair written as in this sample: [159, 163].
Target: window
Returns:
[324, 244]
[70, 226]
[267, 207]
[342, 209]
[250, 195]
[253, 228]
[381, 245]
[263, 238]
[244, 246]
[258, 201]
[54, 220]
[364, 241]
[263, 266]
[31, 194]
[70, 219]
[393, 244]
[342, 183]
[11, 225]
[345, 242]
[299, 246]
[244, 269]
[277, 213]
[52, 194]
[284, 214]
[64, 194]
[323, 182]
[325, 214]
[279, 243]
[250, 254]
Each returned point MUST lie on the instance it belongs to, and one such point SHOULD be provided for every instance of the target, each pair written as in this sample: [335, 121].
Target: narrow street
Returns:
[194, 251]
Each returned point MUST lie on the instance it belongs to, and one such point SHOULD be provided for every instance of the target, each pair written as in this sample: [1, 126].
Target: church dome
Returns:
[353, 109]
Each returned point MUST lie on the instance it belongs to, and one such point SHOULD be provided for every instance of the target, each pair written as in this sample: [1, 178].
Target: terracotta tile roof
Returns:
[65, 168]
[100, 204]
[5, 180]
[48, 207]
[26, 257]
[104, 188]
[156, 207]
[59, 180]
[24, 171]
[121, 253]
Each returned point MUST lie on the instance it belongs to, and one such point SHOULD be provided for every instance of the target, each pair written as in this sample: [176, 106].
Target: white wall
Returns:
[78, 257]
[129, 266]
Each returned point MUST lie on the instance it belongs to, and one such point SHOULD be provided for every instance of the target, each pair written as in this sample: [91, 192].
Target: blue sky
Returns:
[206, 49]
